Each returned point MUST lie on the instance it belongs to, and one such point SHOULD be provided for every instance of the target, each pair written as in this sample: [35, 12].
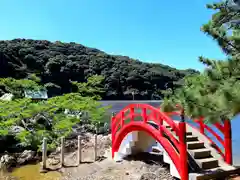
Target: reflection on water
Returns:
[31, 172]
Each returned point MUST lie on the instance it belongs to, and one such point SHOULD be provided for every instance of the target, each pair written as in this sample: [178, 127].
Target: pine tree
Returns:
[215, 93]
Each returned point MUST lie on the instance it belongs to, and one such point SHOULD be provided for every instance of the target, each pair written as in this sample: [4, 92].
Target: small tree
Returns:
[92, 88]
[47, 118]
[17, 86]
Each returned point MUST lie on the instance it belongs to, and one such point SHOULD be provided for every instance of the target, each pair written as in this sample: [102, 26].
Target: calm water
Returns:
[118, 105]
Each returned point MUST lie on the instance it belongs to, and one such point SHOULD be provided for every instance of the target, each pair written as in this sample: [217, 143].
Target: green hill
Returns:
[57, 63]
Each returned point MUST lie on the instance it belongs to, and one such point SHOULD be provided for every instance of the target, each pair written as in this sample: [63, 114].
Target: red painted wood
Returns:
[228, 141]
[132, 113]
[117, 122]
[122, 118]
[220, 127]
[169, 134]
[159, 117]
[139, 126]
[183, 151]
[201, 125]
[214, 133]
[156, 116]
[144, 115]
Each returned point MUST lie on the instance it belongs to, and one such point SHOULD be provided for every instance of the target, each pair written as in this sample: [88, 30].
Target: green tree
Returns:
[214, 93]
[17, 86]
[92, 88]
[57, 63]
[48, 118]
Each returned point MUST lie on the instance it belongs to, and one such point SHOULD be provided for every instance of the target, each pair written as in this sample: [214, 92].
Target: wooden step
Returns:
[187, 133]
[190, 138]
[156, 149]
[207, 163]
[195, 145]
[200, 153]
[167, 126]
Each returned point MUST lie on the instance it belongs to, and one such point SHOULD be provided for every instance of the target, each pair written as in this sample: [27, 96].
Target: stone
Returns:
[53, 161]
[25, 157]
[148, 176]
[7, 161]
[16, 129]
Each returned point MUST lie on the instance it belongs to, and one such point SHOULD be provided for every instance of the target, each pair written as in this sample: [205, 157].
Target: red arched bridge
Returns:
[193, 150]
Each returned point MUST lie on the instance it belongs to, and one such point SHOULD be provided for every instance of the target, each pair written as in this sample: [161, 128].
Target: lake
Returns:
[118, 105]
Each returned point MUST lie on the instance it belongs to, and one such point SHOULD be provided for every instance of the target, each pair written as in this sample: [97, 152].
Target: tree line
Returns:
[58, 63]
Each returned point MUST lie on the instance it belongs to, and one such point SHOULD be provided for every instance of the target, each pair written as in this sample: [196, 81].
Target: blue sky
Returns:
[160, 31]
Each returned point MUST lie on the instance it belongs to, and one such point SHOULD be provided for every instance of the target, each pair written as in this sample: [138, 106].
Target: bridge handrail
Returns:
[178, 149]
[165, 118]
[225, 129]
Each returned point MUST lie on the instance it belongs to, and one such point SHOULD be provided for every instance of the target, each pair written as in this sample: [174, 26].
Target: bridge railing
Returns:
[144, 113]
[226, 140]
[223, 137]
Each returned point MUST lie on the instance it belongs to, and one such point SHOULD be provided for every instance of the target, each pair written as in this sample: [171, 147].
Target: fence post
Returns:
[62, 151]
[95, 145]
[183, 148]
[228, 141]
[79, 150]
[112, 131]
[44, 153]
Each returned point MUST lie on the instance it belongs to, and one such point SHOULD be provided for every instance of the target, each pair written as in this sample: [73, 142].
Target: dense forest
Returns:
[58, 64]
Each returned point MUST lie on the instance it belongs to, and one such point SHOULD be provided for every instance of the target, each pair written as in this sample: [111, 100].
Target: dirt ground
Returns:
[141, 167]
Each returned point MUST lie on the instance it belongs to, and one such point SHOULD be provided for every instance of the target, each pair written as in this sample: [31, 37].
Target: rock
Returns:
[16, 129]
[107, 139]
[7, 161]
[104, 129]
[53, 161]
[25, 157]
[149, 176]
[58, 150]
[7, 97]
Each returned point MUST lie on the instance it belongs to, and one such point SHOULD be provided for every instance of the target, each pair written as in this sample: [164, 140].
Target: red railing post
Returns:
[144, 115]
[228, 141]
[122, 119]
[201, 125]
[183, 148]
[132, 113]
